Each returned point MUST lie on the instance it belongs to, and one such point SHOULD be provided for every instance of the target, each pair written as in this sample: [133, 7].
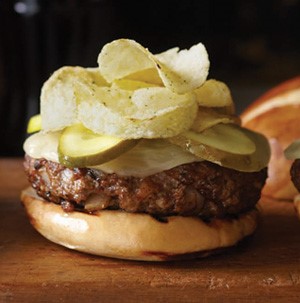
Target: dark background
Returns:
[253, 45]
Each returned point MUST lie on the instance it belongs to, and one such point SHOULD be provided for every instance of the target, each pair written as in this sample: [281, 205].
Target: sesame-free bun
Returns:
[134, 236]
[276, 114]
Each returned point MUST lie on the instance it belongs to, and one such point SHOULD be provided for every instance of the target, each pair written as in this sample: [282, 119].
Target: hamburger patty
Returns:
[199, 189]
[295, 173]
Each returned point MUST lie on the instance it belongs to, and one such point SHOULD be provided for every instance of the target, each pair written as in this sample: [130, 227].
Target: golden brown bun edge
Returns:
[135, 236]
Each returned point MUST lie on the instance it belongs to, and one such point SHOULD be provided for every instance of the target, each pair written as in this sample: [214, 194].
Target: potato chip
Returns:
[129, 84]
[156, 101]
[180, 71]
[136, 94]
[170, 53]
[214, 93]
[185, 70]
[149, 75]
[112, 111]
[123, 57]
[94, 74]
[208, 117]
[58, 102]
[167, 124]
[58, 96]
[226, 110]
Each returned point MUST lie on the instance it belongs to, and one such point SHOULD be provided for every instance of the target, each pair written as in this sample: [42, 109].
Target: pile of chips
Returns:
[136, 94]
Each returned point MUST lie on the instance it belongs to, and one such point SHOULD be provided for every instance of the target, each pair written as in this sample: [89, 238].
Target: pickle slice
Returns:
[227, 137]
[80, 147]
[247, 163]
[34, 124]
[292, 152]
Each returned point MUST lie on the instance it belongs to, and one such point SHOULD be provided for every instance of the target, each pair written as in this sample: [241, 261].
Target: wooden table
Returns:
[263, 268]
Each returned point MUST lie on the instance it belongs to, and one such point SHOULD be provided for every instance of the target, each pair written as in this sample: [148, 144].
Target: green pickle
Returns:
[80, 147]
[226, 137]
[34, 124]
[230, 152]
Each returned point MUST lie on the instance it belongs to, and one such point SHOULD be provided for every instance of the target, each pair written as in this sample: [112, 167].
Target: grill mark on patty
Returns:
[200, 189]
[160, 219]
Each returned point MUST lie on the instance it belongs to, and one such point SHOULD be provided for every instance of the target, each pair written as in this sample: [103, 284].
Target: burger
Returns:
[292, 153]
[276, 115]
[142, 158]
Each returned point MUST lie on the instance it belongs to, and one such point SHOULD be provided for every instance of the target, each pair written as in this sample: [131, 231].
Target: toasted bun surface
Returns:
[135, 236]
[276, 115]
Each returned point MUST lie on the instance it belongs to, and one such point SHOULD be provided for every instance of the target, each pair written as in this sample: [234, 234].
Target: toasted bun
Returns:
[135, 236]
[276, 115]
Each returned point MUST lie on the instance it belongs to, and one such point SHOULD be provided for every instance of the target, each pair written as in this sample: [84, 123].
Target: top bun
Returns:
[276, 115]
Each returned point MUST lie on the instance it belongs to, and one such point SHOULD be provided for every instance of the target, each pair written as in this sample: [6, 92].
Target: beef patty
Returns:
[199, 189]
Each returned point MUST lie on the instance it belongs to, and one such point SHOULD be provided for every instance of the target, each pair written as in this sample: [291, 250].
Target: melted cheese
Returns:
[147, 158]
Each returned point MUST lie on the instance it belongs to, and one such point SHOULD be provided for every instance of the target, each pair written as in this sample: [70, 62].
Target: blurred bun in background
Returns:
[276, 114]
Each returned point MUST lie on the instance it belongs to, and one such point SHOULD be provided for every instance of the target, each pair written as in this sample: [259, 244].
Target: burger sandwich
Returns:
[142, 158]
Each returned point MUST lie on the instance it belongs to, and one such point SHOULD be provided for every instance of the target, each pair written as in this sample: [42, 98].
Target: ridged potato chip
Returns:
[149, 75]
[129, 84]
[214, 93]
[136, 94]
[123, 57]
[185, 70]
[58, 96]
[180, 71]
[94, 74]
[156, 101]
[117, 112]
[208, 117]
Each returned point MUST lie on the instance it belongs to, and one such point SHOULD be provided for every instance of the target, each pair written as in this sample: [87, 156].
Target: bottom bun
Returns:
[134, 236]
